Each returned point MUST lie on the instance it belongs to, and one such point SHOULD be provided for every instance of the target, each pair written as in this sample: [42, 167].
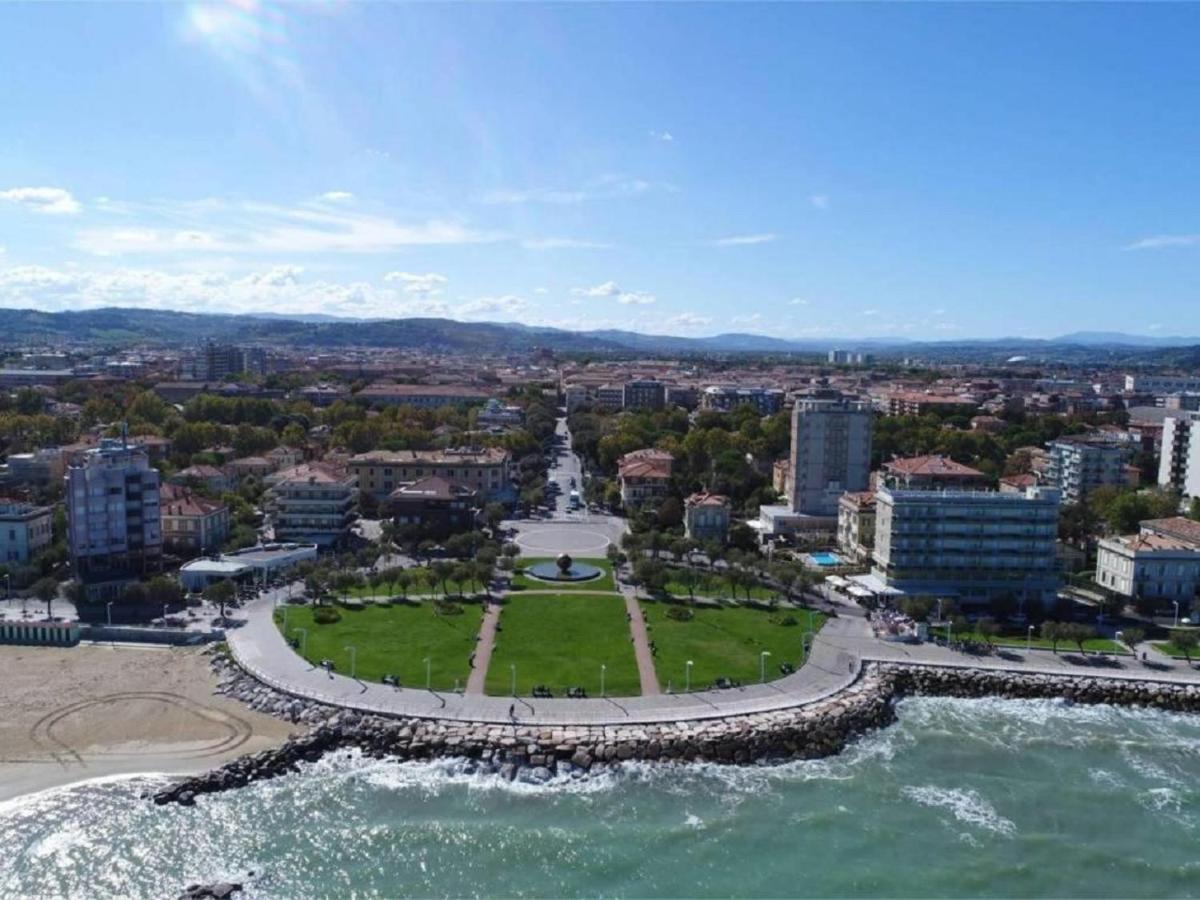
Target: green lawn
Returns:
[393, 639]
[1170, 649]
[715, 585]
[522, 581]
[1017, 639]
[725, 641]
[561, 640]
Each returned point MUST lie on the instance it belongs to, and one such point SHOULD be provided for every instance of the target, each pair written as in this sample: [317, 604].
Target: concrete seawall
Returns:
[538, 752]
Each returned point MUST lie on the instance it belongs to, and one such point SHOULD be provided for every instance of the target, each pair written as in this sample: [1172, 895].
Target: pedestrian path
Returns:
[483, 649]
[641, 645]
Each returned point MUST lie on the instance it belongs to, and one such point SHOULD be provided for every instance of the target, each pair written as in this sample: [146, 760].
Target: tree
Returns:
[1185, 640]
[402, 579]
[1052, 632]
[464, 575]
[46, 589]
[163, 591]
[916, 608]
[493, 515]
[1133, 636]
[442, 571]
[988, 629]
[670, 513]
[220, 593]
[1078, 634]
[690, 579]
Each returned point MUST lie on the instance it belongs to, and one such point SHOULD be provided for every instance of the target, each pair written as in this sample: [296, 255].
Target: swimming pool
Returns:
[825, 559]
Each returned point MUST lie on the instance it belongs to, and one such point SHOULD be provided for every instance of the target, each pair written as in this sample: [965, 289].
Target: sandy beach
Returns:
[75, 714]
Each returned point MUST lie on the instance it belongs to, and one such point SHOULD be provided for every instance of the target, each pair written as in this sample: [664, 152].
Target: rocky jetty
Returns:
[539, 753]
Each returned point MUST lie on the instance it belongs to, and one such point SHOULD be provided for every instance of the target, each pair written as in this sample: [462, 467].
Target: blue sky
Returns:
[926, 171]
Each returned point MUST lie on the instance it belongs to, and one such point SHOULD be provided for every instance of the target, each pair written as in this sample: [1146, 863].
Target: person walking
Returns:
[512, 710]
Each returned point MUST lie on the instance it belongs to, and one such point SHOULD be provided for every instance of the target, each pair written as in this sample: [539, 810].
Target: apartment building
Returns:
[856, 524]
[113, 516]
[25, 530]
[192, 523]
[923, 473]
[1179, 457]
[40, 469]
[916, 403]
[1162, 384]
[831, 451]
[1076, 466]
[644, 394]
[313, 503]
[437, 506]
[485, 470]
[726, 397]
[1161, 562]
[423, 396]
[974, 545]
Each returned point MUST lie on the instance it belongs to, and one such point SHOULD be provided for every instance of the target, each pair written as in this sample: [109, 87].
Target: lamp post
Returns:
[762, 666]
[303, 642]
[1117, 636]
[107, 611]
[603, 669]
[428, 673]
[1176, 602]
[1028, 638]
[164, 615]
[806, 642]
[513, 671]
[353, 660]
[687, 677]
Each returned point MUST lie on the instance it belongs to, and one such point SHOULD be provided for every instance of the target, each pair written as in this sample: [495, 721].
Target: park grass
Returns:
[724, 642]
[713, 584]
[1169, 648]
[393, 639]
[523, 582]
[561, 640]
[1016, 640]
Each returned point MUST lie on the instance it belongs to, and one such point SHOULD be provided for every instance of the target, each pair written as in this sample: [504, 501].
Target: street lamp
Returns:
[762, 666]
[353, 655]
[806, 642]
[107, 611]
[513, 669]
[603, 669]
[687, 679]
[1028, 638]
[428, 674]
[1118, 636]
[1176, 602]
[303, 642]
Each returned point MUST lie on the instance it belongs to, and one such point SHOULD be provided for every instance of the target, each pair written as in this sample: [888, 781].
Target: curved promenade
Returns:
[838, 653]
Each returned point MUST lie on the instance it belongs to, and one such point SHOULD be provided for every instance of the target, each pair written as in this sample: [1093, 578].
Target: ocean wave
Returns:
[966, 805]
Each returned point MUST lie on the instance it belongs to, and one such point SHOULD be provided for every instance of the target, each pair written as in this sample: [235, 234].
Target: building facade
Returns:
[25, 530]
[706, 517]
[437, 506]
[974, 545]
[312, 503]
[726, 397]
[831, 452]
[114, 521]
[644, 476]
[191, 523]
[1077, 466]
[644, 394]
[1179, 458]
[484, 470]
[925, 473]
[856, 525]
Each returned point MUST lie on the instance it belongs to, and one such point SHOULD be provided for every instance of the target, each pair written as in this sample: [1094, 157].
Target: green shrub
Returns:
[680, 613]
[326, 615]
[786, 619]
[447, 608]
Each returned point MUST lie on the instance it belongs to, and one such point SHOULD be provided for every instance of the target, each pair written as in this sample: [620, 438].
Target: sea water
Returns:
[958, 798]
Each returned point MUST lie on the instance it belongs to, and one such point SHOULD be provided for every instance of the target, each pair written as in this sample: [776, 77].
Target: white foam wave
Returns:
[966, 805]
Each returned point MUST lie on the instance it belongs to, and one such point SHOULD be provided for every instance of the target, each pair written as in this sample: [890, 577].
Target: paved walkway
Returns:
[641, 644]
[483, 649]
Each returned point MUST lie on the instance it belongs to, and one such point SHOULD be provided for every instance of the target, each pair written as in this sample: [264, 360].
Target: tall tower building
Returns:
[1179, 464]
[831, 451]
[113, 517]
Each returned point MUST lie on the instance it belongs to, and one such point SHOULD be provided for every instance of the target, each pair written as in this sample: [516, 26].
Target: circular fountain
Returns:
[564, 569]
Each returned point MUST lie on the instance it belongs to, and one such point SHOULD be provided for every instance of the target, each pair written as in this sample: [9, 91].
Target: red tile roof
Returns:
[932, 465]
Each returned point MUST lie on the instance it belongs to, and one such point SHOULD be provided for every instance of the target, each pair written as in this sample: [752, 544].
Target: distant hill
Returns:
[115, 326]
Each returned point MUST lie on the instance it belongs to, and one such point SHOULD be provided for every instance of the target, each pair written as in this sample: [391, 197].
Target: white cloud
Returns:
[665, 136]
[743, 240]
[870, 312]
[819, 201]
[798, 301]
[1157, 326]
[534, 195]
[541, 290]
[47, 201]
[688, 320]
[1159, 241]
[490, 307]
[338, 197]
[599, 188]
[248, 228]
[612, 289]
[559, 243]
[427, 285]
[751, 319]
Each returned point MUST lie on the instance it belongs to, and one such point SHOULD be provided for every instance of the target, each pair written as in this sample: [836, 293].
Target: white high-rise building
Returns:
[1179, 462]
[113, 517]
[831, 452]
